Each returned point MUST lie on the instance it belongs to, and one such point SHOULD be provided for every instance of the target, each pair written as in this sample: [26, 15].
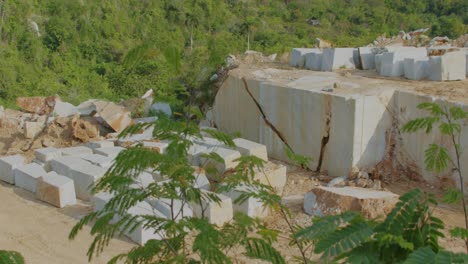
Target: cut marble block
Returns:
[100, 200]
[180, 209]
[378, 62]
[26, 176]
[298, 56]
[367, 58]
[228, 155]
[45, 165]
[216, 213]
[109, 152]
[250, 148]
[141, 235]
[194, 152]
[209, 142]
[7, 165]
[159, 146]
[147, 134]
[84, 178]
[392, 64]
[272, 174]
[76, 151]
[313, 60]
[416, 69]
[337, 58]
[201, 181]
[56, 189]
[449, 67]
[100, 144]
[47, 154]
[99, 160]
[144, 179]
[252, 207]
[64, 165]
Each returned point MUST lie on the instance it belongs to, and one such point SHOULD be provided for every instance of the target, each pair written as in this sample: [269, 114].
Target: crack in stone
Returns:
[326, 136]
[265, 118]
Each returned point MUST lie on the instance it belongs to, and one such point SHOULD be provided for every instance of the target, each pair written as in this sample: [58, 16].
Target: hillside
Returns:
[117, 49]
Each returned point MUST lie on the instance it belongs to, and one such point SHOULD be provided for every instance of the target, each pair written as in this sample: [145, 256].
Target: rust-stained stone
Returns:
[56, 189]
[335, 200]
[37, 104]
[115, 116]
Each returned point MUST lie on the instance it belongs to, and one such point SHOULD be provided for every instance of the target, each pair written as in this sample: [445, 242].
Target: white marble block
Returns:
[56, 189]
[250, 148]
[216, 213]
[26, 176]
[449, 67]
[47, 154]
[337, 58]
[252, 207]
[7, 165]
[76, 151]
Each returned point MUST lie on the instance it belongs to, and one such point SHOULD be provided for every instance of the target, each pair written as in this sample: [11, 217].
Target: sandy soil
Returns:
[40, 231]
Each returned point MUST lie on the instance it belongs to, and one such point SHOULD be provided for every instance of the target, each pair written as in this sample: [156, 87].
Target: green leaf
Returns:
[425, 123]
[325, 225]
[427, 256]
[298, 160]
[259, 249]
[459, 232]
[458, 113]
[436, 158]
[452, 196]
[11, 257]
[450, 128]
[402, 213]
[434, 108]
[343, 240]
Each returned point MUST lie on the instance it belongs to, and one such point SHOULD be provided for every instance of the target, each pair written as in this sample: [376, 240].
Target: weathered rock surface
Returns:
[56, 189]
[37, 104]
[332, 201]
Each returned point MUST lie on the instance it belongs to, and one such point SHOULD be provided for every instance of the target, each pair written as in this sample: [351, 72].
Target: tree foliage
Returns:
[408, 234]
[118, 49]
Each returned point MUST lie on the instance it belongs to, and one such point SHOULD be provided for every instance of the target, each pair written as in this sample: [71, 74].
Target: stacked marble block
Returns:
[49, 187]
[328, 59]
[217, 213]
[410, 62]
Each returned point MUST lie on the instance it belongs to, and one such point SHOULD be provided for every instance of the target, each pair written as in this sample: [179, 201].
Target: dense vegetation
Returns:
[116, 49]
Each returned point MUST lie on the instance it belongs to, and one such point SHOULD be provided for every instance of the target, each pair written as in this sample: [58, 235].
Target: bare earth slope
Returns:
[40, 231]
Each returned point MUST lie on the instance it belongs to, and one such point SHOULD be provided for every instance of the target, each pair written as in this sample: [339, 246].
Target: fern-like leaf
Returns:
[427, 256]
[261, 249]
[459, 232]
[436, 158]
[344, 239]
[325, 225]
[402, 213]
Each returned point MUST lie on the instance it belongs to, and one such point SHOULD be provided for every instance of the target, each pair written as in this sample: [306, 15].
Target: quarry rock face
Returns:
[335, 200]
[298, 114]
